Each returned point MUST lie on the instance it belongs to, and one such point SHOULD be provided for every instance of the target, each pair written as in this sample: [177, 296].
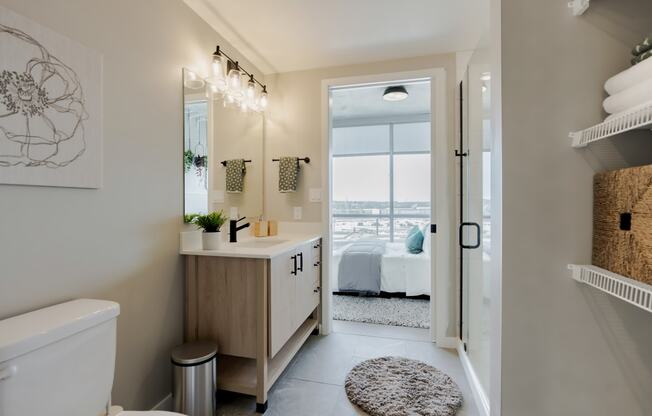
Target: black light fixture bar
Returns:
[218, 51]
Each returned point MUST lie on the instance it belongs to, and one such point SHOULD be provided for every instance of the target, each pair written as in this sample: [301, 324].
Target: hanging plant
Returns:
[188, 157]
[200, 163]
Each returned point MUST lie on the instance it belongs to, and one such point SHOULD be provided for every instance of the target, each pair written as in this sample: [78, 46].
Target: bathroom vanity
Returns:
[259, 300]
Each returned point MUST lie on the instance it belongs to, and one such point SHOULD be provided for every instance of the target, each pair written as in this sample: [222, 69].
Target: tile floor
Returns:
[313, 382]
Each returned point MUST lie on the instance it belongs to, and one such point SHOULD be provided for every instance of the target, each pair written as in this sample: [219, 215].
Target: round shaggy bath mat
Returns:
[395, 386]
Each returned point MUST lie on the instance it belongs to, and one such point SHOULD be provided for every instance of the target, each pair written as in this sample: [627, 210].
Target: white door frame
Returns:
[440, 196]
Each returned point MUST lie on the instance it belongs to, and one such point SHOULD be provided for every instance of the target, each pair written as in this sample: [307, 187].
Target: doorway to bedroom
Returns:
[380, 200]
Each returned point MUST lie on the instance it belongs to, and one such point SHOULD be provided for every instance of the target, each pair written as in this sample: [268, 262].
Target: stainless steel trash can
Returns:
[195, 378]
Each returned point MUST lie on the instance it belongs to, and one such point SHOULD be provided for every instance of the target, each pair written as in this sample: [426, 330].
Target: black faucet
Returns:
[234, 228]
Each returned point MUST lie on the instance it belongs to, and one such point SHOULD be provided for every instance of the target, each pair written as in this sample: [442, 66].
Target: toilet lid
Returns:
[148, 413]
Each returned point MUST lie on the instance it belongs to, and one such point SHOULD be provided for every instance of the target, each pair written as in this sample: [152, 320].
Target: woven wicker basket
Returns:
[622, 222]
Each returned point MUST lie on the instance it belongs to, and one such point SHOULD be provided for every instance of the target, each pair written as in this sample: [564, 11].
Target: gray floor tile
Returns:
[313, 383]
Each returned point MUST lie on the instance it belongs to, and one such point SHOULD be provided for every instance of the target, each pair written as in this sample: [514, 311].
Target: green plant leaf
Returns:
[189, 218]
[211, 222]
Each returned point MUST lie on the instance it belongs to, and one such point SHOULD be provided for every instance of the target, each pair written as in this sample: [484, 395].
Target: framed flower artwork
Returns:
[50, 107]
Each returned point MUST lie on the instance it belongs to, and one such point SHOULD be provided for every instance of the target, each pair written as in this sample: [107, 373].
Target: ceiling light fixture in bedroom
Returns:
[395, 93]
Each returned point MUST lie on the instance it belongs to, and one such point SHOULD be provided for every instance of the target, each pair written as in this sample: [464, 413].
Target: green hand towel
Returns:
[288, 174]
[641, 57]
[643, 47]
[235, 171]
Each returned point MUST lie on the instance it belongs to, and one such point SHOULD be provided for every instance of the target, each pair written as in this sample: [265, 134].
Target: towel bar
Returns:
[301, 159]
[224, 162]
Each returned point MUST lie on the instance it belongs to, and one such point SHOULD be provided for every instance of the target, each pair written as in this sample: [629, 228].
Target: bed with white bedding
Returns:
[401, 271]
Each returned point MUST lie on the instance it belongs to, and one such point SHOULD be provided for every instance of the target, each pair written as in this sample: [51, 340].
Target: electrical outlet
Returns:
[298, 213]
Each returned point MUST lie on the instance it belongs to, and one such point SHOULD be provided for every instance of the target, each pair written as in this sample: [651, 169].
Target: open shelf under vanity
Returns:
[238, 374]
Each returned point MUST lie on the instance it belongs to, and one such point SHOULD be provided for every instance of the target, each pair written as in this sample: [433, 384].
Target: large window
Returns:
[381, 180]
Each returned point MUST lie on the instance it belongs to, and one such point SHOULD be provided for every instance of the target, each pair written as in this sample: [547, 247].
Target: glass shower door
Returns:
[474, 232]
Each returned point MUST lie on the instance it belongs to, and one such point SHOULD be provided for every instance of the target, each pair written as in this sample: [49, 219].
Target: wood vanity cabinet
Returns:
[260, 311]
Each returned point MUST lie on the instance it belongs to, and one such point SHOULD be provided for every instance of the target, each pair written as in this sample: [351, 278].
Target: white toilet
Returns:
[59, 361]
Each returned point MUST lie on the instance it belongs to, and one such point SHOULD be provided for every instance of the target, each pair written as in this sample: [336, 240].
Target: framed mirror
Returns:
[217, 134]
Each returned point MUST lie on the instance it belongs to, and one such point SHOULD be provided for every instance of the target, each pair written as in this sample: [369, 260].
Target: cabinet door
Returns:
[307, 292]
[282, 319]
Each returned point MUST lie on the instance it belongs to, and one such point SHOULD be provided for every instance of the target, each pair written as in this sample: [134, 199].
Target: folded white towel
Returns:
[629, 77]
[629, 98]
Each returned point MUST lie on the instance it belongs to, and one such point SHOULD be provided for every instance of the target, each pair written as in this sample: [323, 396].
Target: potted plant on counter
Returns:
[210, 224]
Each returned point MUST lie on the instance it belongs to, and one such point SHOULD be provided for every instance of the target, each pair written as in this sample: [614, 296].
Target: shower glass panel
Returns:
[474, 231]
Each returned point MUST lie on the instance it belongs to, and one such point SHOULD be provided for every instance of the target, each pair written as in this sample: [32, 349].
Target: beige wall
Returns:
[567, 349]
[293, 125]
[238, 135]
[119, 242]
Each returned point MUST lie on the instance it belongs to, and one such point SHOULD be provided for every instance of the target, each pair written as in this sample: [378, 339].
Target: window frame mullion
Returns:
[391, 182]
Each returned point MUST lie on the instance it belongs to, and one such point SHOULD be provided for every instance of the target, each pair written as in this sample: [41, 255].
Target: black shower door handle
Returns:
[477, 234]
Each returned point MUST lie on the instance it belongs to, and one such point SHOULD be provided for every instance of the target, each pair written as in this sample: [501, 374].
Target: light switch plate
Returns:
[315, 195]
[298, 213]
[218, 197]
[233, 213]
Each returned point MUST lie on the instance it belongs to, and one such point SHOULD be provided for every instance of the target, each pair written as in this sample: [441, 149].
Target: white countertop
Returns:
[247, 247]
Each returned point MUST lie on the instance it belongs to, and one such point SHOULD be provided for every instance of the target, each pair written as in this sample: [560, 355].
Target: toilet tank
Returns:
[58, 361]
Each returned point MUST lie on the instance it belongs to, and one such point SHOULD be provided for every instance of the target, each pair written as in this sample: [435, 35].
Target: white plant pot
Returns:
[211, 241]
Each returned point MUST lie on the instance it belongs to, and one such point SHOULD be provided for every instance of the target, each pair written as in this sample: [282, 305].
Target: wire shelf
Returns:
[639, 117]
[624, 288]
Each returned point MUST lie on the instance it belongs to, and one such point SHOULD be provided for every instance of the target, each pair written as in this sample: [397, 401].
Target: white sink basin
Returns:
[259, 243]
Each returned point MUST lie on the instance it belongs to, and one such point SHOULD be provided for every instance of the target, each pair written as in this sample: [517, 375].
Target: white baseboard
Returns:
[448, 342]
[165, 404]
[481, 399]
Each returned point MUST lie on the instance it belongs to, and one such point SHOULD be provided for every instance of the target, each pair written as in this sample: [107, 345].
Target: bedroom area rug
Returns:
[414, 313]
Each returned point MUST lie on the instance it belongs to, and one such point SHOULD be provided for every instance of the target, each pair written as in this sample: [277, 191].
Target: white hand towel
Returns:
[629, 98]
[629, 77]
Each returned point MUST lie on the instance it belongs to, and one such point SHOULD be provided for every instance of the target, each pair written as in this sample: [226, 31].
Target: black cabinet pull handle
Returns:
[294, 271]
[477, 234]
[300, 264]
[317, 264]
[316, 246]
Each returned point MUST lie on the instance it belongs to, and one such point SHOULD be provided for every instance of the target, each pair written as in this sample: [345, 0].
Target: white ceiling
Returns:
[290, 35]
[367, 102]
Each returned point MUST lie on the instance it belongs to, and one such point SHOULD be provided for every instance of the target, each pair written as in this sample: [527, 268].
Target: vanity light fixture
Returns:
[251, 88]
[218, 78]
[395, 93]
[263, 98]
[234, 75]
[229, 82]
